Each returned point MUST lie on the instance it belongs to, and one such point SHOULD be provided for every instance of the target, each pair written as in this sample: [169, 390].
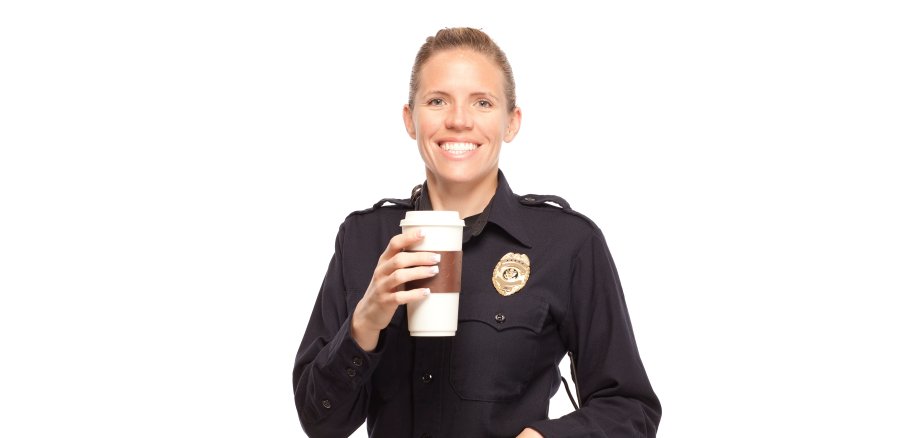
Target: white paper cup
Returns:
[436, 314]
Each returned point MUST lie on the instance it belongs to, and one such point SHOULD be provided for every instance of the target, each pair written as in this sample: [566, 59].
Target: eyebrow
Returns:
[475, 93]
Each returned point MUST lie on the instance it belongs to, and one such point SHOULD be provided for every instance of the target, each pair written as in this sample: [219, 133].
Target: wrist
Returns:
[366, 337]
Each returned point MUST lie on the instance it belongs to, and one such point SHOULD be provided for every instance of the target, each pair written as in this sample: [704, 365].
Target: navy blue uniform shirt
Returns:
[496, 376]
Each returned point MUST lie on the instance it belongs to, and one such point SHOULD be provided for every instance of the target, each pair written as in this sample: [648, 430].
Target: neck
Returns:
[467, 198]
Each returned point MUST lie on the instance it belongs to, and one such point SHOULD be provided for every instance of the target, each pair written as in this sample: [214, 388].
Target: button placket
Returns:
[426, 406]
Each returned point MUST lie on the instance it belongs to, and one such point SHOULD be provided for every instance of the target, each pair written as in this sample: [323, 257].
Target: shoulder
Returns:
[384, 205]
[387, 207]
[385, 211]
[551, 212]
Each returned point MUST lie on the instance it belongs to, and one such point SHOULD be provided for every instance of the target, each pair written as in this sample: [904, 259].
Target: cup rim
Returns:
[432, 218]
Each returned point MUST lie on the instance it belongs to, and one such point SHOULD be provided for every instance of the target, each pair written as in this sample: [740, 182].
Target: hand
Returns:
[529, 433]
[386, 292]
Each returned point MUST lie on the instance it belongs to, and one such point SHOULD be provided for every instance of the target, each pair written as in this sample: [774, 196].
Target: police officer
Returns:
[538, 283]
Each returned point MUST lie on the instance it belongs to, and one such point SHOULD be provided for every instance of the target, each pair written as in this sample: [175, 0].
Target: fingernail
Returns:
[434, 269]
[436, 258]
[421, 233]
[426, 291]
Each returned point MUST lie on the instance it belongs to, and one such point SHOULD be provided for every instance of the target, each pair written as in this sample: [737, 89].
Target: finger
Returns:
[410, 296]
[409, 259]
[401, 276]
[400, 242]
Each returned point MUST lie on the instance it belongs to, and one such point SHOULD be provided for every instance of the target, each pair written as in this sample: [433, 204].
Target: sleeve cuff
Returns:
[344, 370]
[348, 365]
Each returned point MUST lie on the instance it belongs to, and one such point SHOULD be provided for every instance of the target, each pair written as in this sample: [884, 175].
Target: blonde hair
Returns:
[462, 38]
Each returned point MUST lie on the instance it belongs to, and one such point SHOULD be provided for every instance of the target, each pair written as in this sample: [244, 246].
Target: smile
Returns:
[456, 148]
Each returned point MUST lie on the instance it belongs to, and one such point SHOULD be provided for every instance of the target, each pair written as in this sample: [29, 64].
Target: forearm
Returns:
[617, 399]
[332, 384]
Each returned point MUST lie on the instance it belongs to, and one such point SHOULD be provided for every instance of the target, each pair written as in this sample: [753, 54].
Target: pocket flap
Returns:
[503, 313]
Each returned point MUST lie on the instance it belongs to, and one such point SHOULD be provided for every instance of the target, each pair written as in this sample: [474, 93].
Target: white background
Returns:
[172, 175]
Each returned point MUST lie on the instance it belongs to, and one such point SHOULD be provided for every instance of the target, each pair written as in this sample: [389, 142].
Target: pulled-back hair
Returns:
[462, 38]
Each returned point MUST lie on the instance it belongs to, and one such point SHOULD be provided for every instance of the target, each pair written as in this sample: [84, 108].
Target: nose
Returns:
[459, 118]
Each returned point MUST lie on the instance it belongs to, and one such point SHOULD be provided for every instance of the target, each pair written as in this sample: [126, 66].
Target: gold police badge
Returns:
[511, 273]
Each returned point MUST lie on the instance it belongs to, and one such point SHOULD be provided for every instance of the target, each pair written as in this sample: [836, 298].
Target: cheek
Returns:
[499, 128]
[425, 126]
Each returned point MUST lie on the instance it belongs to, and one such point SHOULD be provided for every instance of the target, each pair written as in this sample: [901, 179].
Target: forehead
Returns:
[461, 68]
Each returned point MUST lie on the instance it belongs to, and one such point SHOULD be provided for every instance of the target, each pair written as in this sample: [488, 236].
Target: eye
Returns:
[483, 103]
[435, 101]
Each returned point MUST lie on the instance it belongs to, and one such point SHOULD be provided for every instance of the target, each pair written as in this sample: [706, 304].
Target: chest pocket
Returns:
[492, 355]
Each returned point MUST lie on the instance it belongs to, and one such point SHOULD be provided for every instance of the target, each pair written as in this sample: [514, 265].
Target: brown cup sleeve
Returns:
[450, 269]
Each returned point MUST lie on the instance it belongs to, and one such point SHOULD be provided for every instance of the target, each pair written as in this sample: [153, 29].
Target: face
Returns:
[460, 117]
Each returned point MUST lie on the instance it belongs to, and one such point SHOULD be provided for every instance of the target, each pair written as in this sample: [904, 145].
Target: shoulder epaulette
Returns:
[396, 202]
[555, 202]
[545, 200]
[405, 203]
[386, 203]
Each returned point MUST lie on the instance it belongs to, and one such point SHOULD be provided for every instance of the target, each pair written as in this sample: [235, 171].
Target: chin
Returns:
[460, 175]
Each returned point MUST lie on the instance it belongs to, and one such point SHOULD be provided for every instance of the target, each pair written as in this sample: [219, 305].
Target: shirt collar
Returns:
[501, 211]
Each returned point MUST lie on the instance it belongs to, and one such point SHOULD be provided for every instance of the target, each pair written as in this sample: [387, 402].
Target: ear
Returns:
[514, 125]
[407, 119]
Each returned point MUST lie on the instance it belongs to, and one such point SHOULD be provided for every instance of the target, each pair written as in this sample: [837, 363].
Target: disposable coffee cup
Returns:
[436, 314]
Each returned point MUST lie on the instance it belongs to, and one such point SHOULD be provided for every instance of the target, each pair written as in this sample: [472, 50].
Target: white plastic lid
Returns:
[432, 218]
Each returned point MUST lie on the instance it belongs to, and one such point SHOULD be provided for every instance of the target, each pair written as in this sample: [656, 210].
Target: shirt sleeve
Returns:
[332, 374]
[615, 396]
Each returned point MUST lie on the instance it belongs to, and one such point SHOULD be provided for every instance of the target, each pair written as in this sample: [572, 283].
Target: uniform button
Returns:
[426, 378]
[351, 372]
[499, 317]
[357, 361]
[327, 404]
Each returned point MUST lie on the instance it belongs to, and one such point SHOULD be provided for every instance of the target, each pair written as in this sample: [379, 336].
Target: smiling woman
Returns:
[538, 283]
[460, 116]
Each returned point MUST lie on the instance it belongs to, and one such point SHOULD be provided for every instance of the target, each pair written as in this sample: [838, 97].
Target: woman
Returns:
[496, 376]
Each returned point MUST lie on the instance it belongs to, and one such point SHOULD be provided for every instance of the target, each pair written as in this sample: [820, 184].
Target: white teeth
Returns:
[458, 148]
